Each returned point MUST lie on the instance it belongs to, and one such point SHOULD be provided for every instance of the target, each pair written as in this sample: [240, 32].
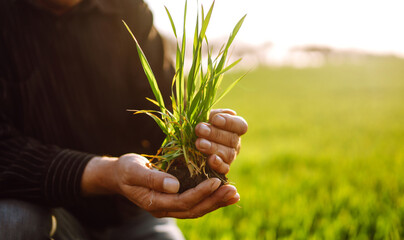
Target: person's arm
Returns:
[36, 172]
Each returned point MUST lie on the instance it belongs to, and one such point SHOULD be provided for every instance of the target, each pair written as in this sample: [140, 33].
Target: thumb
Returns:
[159, 181]
[143, 176]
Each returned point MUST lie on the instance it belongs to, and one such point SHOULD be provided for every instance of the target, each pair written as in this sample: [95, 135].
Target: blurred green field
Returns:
[323, 158]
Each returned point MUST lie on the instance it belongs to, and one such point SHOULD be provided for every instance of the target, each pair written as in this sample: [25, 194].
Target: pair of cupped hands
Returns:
[156, 191]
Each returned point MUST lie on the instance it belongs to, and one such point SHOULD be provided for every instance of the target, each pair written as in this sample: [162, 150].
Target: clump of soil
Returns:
[179, 169]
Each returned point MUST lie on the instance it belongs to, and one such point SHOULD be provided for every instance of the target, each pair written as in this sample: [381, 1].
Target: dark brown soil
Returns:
[179, 169]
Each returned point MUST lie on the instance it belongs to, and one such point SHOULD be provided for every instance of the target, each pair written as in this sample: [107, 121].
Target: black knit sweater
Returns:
[65, 84]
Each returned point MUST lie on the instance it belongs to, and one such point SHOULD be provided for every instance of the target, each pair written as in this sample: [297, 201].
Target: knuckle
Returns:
[232, 153]
[126, 175]
[132, 157]
[125, 171]
[129, 155]
[150, 181]
[216, 134]
[214, 148]
[234, 140]
[229, 121]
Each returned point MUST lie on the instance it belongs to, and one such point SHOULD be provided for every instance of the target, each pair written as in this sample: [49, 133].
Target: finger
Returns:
[133, 157]
[227, 154]
[224, 196]
[214, 134]
[229, 123]
[136, 173]
[157, 201]
[221, 110]
[217, 164]
[233, 200]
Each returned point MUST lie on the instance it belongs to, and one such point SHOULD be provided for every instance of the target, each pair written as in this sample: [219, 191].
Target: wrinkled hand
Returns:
[220, 138]
[152, 190]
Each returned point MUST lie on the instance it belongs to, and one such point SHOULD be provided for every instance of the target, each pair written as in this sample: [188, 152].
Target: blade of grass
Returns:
[148, 71]
[229, 88]
[172, 22]
[229, 67]
[229, 42]
[183, 82]
[205, 22]
[159, 122]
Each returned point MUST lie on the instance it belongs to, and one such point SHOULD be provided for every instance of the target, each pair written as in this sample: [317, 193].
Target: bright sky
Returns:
[372, 25]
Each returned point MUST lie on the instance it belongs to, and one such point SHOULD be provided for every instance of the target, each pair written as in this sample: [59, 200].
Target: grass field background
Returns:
[323, 157]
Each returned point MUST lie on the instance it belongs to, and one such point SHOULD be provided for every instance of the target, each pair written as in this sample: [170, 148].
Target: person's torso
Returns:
[71, 79]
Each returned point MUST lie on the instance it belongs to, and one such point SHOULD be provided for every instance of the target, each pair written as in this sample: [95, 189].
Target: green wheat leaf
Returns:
[148, 71]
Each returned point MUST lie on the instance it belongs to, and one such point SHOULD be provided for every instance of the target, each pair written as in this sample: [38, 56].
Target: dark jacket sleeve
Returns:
[36, 172]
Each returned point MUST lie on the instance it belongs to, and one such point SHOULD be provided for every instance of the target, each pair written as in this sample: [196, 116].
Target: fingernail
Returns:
[216, 183]
[217, 161]
[219, 121]
[205, 144]
[204, 130]
[234, 199]
[229, 195]
[171, 185]
[237, 196]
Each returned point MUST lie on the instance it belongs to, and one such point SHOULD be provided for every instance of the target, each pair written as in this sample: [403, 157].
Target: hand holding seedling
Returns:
[131, 176]
[220, 138]
[155, 191]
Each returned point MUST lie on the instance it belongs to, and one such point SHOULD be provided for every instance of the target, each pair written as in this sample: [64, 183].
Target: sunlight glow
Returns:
[374, 26]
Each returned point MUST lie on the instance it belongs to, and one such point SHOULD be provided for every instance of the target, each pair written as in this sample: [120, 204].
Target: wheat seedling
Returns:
[192, 97]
